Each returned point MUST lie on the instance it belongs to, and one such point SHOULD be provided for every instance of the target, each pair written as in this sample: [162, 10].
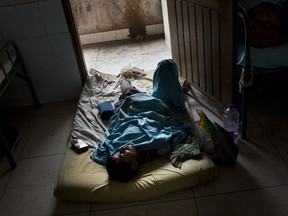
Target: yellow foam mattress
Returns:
[82, 179]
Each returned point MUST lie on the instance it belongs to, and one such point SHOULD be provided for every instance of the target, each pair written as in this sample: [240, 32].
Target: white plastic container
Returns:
[231, 121]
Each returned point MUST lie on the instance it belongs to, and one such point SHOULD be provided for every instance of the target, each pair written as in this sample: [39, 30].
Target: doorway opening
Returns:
[109, 44]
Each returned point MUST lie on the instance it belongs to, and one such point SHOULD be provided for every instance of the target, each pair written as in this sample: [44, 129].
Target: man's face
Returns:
[125, 154]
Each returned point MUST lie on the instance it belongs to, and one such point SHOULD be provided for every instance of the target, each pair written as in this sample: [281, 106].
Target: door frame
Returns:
[75, 39]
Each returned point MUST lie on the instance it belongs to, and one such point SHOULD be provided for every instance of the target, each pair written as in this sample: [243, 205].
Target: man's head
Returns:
[123, 165]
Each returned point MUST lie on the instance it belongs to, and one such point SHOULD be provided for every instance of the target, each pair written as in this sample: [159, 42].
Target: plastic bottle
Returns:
[231, 121]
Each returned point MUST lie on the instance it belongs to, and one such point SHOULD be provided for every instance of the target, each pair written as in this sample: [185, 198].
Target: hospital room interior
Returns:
[56, 50]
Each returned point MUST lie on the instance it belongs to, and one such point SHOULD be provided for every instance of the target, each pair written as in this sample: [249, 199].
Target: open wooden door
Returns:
[201, 34]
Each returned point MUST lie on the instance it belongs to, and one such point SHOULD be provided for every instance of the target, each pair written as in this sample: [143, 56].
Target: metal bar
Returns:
[6, 151]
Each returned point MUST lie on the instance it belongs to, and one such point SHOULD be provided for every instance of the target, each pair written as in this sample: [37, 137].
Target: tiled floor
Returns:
[257, 185]
[111, 58]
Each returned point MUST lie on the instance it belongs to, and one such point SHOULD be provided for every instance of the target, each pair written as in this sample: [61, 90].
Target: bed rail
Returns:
[11, 65]
[246, 78]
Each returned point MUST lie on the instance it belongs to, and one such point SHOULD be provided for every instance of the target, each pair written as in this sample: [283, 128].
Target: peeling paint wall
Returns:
[93, 16]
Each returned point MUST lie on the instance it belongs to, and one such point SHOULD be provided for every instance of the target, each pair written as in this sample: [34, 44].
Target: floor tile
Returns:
[114, 65]
[133, 61]
[90, 57]
[5, 175]
[15, 116]
[177, 195]
[21, 143]
[76, 214]
[268, 202]
[270, 107]
[71, 208]
[119, 50]
[30, 190]
[56, 108]
[278, 135]
[258, 165]
[154, 45]
[49, 136]
[91, 52]
[178, 207]
[112, 57]
[151, 60]
[31, 187]
[269, 116]
[252, 121]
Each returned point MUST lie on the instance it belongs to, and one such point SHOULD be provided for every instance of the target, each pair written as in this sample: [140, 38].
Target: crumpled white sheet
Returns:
[99, 87]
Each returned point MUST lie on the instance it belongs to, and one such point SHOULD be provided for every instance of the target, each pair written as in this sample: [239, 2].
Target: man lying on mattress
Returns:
[145, 126]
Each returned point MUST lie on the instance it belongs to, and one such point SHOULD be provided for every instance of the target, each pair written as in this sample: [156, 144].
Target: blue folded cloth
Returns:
[106, 110]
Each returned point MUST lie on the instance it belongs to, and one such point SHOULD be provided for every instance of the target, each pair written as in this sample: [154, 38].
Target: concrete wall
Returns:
[94, 16]
[40, 30]
[106, 20]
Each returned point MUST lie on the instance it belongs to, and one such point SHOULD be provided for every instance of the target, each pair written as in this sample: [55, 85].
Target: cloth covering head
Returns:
[106, 110]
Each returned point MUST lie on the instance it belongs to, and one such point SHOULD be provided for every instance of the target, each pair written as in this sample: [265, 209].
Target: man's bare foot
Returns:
[125, 85]
[186, 87]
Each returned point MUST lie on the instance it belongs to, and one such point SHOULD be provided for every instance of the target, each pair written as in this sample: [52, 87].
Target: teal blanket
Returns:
[145, 122]
[270, 57]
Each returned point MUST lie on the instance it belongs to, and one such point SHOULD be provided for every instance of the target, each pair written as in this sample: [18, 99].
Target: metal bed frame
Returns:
[247, 77]
[15, 68]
